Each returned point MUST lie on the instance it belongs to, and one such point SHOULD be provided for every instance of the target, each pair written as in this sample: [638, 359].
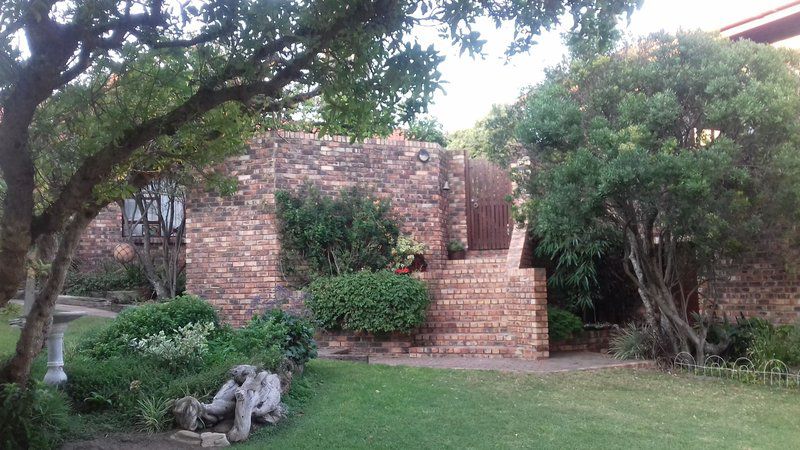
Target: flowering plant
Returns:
[404, 252]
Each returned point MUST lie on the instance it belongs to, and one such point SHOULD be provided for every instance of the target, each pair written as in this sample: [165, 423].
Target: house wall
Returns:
[233, 249]
[762, 284]
[101, 236]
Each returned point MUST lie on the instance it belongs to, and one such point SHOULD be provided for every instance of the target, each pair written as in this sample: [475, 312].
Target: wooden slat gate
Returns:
[489, 220]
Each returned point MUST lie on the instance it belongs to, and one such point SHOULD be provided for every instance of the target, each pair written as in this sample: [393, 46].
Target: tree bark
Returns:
[17, 369]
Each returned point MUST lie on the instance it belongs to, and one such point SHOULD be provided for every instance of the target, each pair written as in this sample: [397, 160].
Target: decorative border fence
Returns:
[773, 372]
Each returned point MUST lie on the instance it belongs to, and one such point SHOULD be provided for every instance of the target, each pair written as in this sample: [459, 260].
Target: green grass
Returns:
[349, 405]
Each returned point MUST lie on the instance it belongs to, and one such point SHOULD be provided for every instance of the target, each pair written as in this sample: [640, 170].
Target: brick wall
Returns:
[233, 248]
[98, 241]
[761, 284]
[586, 341]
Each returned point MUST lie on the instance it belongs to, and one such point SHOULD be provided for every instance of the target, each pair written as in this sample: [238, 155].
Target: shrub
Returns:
[299, 344]
[323, 236]
[187, 345]
[369, 301]
[35, 418]
[781, 343]
[110, 277]
[562, 324]
[741, 334]
[147, 320]
[633, 342]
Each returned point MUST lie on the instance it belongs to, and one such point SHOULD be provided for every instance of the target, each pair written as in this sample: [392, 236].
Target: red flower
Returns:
[402, 271]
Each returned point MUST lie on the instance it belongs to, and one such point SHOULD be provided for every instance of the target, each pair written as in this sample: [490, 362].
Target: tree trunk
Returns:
[17, 369]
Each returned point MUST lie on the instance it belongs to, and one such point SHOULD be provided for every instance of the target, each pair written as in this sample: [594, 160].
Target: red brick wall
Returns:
[98, 241]
[761, 284]
[232, 251]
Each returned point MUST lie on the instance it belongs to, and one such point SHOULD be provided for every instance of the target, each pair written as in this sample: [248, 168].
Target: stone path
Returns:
[94, 312]
[559, 362]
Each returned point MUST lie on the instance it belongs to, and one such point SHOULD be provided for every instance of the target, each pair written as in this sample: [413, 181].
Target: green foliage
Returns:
[633, 342]
[33, 418]
[492, 137]
[322, 236]
[426, 129]
[775, 342]
[154, 414]
[404, 252]
[148, 320]
[676, 138]
[562, 324]
[369, 301]
[455, 246]
[298, 344]
[109, 277]
[184, 346]
[10, 311]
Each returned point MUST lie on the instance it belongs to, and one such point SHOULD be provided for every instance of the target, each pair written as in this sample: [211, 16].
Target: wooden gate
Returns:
[489, 221]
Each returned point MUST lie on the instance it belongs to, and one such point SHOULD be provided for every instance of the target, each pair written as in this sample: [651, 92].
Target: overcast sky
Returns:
[473, 85]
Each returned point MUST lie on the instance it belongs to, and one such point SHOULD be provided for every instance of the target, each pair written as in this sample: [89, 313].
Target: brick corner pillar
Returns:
[527, 289]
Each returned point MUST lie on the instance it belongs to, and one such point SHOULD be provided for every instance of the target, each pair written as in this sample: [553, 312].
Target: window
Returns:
[162, 215]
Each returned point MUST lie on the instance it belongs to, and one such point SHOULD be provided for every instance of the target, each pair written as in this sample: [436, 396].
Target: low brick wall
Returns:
[587, 341]
[364, 343]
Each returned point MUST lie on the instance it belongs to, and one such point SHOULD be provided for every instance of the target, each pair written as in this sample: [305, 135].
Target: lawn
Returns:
[357, 406]
[350, 405]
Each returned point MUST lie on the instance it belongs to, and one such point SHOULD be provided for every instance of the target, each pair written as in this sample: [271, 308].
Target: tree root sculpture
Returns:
[250, 395]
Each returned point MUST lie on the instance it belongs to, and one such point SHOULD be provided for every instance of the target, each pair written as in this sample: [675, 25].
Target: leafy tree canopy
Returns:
[678, 147]
[426, 129]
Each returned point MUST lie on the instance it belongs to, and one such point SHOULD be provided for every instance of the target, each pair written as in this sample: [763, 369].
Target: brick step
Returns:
[462, 339]
[481, 351]
[496, 260]
[471, 313]
[473, 270]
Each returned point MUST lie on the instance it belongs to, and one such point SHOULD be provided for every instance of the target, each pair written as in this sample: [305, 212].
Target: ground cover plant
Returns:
[123, 373]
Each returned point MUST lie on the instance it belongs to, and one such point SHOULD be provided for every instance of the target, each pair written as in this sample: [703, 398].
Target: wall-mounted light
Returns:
[446, 186]
[424, 156]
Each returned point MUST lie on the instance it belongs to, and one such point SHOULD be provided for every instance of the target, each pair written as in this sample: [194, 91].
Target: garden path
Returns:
[558, 362]
[93, 312]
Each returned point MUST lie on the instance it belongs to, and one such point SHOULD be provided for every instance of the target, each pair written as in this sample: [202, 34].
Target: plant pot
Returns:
[457, 254]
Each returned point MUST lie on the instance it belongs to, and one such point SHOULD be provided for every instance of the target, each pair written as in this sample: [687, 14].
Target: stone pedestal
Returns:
[55, 375]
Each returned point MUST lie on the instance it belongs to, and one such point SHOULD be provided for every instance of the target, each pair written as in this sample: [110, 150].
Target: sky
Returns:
[473, 85]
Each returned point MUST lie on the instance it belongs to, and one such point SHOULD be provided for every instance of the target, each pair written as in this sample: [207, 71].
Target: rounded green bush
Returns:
[562, 324]
[369, 301]
[145, 320]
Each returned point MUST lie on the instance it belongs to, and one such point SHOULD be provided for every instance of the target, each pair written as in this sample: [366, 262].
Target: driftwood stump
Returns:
[249, 395]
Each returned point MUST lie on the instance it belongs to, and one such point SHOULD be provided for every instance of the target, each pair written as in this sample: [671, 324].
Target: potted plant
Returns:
[408, 256]
[456, 250]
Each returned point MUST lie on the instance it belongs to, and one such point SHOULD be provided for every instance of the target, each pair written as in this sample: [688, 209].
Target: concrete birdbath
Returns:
[55, 375]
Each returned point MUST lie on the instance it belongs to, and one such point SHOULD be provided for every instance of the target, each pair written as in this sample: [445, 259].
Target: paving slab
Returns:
[558, 362]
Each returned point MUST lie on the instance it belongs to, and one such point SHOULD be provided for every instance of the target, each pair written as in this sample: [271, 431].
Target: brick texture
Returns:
[761, 284]
[98, 241]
